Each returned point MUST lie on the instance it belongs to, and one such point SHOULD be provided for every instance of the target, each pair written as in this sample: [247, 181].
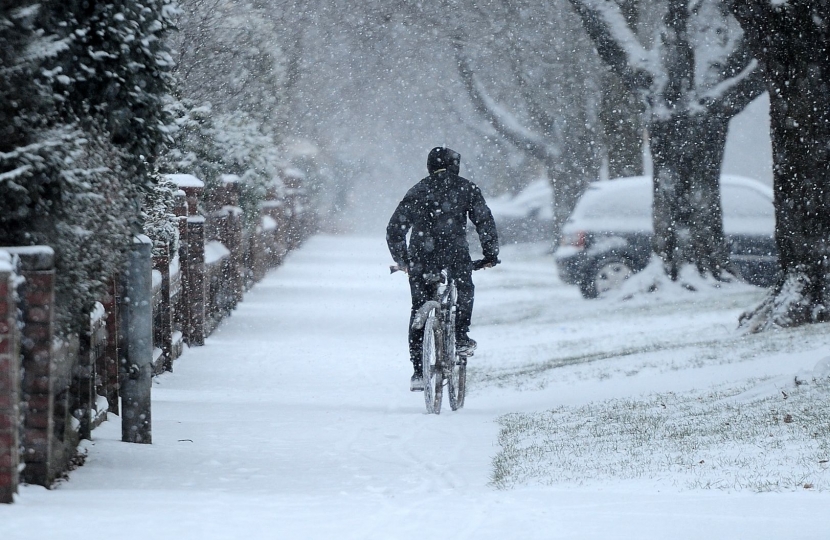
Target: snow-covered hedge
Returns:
[81, 95]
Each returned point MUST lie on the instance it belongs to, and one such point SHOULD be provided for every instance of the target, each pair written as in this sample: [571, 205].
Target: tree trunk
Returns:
[687, 124]
[688, 221]
[793, 43]
[568, 180]
[621, 114]
[687, 152]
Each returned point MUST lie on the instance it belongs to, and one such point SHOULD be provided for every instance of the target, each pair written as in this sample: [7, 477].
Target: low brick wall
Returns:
[37, 300]
[9, 380]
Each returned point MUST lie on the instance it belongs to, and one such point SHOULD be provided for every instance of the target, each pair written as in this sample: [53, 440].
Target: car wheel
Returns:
[607, 275]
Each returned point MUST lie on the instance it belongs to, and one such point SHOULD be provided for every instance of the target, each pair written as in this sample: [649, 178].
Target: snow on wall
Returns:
[98, 312]
[32, 250]
[5, 261]
[185, 180]
[268, 223]
[156, 279]
[215, 251]
[175, 265]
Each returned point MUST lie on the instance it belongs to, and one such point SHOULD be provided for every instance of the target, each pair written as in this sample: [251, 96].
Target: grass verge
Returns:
[762, 436]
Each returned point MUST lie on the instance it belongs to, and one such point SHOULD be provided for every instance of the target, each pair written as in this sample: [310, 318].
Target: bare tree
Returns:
[698, 75]
[547, 101]
[792, 40]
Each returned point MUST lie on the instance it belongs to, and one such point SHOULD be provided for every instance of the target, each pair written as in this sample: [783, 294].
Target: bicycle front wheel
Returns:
[433, 390]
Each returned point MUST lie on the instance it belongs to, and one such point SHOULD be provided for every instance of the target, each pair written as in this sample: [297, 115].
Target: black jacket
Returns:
[436, 210]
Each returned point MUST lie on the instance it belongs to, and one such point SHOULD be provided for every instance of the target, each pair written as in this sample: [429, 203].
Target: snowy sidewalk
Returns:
[295, 421]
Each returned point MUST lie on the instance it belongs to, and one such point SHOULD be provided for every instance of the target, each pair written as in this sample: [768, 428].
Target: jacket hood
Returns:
[443, 158]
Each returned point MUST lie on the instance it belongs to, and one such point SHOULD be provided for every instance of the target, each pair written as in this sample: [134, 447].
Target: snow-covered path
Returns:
[295, 421]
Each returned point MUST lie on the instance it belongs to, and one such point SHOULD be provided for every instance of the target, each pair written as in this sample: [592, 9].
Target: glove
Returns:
[490, 262]
[487, 262]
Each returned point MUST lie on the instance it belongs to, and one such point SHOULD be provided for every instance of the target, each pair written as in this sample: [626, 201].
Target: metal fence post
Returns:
[137, 365]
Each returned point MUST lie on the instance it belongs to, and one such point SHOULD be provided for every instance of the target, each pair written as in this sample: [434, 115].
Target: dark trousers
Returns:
[422, 290]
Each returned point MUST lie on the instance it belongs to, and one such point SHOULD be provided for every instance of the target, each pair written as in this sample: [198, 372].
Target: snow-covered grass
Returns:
[728, 437]
[755, 432]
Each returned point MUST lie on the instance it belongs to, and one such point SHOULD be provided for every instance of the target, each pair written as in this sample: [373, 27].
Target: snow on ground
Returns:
[295, 419]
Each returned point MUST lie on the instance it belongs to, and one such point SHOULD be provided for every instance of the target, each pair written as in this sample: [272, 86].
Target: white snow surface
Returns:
[295, 419]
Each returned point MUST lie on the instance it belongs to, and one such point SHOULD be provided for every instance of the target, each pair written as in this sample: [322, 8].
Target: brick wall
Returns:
[37, 388]
[9, 382]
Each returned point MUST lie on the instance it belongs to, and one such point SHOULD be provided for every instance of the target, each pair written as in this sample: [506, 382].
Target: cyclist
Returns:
[435, 210]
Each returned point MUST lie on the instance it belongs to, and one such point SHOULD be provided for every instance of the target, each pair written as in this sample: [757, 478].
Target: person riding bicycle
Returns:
[436, 211]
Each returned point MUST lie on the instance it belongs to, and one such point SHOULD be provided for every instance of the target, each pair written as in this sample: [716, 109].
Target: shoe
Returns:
[465, 345]
[416, 383]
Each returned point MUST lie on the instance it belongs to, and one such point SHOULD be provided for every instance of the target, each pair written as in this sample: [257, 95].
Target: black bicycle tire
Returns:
[457, 383]
[462, 383]
[431, 368]
[439, 392]
[451, 359]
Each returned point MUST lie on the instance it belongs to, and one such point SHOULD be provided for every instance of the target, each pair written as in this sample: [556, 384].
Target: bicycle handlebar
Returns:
[480, 264]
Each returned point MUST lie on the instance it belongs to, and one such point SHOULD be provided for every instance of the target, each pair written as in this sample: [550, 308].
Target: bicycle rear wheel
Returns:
[456, 366]
[433, 390]
[458, 383]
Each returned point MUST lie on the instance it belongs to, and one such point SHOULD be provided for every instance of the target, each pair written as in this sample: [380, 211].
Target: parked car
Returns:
[608, 235]
[526, 216]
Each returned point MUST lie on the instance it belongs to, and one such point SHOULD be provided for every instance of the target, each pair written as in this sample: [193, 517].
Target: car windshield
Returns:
[745, 203]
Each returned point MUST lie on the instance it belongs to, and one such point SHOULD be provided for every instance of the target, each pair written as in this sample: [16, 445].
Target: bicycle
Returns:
[442, 364]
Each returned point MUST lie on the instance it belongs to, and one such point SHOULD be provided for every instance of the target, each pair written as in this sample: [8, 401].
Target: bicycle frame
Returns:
[437, 318]
[441, 363]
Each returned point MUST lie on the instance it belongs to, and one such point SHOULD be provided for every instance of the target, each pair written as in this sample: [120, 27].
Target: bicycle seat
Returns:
[435, 277]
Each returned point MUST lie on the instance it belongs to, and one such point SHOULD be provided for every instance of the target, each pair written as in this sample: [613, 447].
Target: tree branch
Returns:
[504, 122]
[616, 43]
[733, 94]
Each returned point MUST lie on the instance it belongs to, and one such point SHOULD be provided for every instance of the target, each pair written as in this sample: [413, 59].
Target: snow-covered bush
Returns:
[252, 155]
[193, 149]
[159, 220]
[83, 212]
[232, 83]
[117, 71]
[93, 222]
[228, 53]
[81, 94]
[209, 144]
